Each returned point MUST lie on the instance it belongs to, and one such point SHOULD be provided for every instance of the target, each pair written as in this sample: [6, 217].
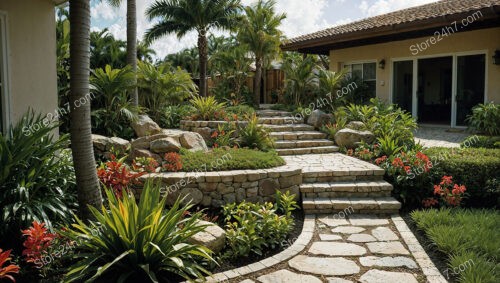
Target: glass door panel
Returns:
[402, 84]
[471, 73]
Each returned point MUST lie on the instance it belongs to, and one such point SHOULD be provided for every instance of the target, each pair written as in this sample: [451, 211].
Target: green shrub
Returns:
[207, 108]
[173, 114]
[253, 228]
[485, 118]
[114, 109]
[476, 168]
[133, 242]
[240, 110]
[477, 141]
[231, 159]
[37, 180]
[467, 238]
[254, 135]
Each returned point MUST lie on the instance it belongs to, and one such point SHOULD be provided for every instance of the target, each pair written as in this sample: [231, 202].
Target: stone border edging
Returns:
[428, 268]
[297, 247]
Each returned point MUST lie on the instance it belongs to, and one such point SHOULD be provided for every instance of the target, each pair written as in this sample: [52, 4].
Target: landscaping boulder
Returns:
[145, 126]
[351, 138]
[205, 132]
[213, 237]
[193, 141]
[355, 125]
[100, 142]
[104, 145]
[117, 143]
[319, 118]
[138, 152]
[163, 145]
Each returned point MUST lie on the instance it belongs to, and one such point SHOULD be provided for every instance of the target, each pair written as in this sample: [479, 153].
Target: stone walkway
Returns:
[439, 137]
[356, 248]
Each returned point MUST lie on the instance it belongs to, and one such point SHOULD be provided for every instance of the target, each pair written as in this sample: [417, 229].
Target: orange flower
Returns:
[446, 180]
[38, 240]
[7, 271]
[215, 134]
[397, 162]
[437, 189]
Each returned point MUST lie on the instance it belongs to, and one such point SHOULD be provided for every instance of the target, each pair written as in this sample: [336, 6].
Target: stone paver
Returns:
[381, 276]
[329, 237]
[285, 276]
[332, 222]
[348, 230]
[361, 238]
[384, 234]
[388, 261]
[336, 249]
[388, 248]
[337, 280]
[367, 220]
[439, 137]
[324, 266]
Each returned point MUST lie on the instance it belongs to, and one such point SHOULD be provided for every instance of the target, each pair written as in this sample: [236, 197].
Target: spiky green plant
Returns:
[206, 107]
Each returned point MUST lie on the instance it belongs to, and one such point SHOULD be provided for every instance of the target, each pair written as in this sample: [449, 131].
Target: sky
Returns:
[303, 16]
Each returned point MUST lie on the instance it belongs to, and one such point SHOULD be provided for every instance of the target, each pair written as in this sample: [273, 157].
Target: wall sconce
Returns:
[381, 64]
[496, 57]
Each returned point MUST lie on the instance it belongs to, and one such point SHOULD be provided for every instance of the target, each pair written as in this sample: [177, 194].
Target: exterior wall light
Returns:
[496, 57]
[381, 64]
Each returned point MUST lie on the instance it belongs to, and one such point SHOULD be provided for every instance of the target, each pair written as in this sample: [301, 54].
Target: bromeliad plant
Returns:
[137, 241]
[7, 272]
[254, 135]
[116, 175]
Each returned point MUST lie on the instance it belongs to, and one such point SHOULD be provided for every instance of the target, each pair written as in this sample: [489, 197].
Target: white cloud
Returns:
[103, 10]
[386, 6]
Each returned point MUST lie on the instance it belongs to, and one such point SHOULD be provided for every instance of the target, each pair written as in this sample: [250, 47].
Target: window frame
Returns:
[5, 106]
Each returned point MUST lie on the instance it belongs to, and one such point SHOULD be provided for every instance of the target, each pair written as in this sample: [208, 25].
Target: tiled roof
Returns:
[416, 14]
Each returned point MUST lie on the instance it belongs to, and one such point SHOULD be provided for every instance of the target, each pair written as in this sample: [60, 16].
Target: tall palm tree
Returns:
[131, 41]
[144, 52]
[81, 136]
[183, 16]
[259, 30]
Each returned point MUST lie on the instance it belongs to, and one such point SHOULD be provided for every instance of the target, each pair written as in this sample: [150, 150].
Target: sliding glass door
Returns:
[471, 75]
[402, 84]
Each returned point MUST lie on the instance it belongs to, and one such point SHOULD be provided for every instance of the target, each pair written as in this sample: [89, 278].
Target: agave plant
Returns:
[141, 242]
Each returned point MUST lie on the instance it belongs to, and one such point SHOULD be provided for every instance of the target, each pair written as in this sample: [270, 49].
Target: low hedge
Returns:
[229, 159]
[477, 141]
[476, 168]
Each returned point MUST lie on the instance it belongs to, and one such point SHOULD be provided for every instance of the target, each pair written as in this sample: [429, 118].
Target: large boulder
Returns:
[138, 152]
[164, 145]
[145, 126]
[105, 145]
[100, 142]
[213, 237]
[205, 132]
[319, 118]
[355, 125]
[193, 141]
[117, 143]
[351, 138]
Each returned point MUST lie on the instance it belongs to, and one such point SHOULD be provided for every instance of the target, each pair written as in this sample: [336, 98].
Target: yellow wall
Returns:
[31, 45]
[480, 40]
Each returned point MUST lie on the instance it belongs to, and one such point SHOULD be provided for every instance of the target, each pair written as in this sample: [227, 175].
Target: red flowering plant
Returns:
[117, 176]
[224, 135]
[172, 162]
[145, 164]
[7, 271]
[38, 241]
[449, 193]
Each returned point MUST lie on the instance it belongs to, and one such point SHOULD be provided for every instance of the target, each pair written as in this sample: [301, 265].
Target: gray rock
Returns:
[319, 118]
[399, 261]
[192, 195]
[100, 142]
[117, 143]
[144, 153]
[212, 236]
[387, 248]
[324, 266]
[268, 187]
[351, 138]
[336, 249]
[164, 145]
[380, 276]
[361, 238]
[384, 234]
[193, 141]
[285, 276]
[329, 237]
[337, 280]
[145, 126]
[355, 125]
[348, 230]
[205, 132]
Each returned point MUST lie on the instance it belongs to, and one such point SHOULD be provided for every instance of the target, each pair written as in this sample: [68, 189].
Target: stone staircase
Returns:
[292, 136]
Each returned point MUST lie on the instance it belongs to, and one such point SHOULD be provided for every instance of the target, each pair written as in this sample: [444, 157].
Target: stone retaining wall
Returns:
[218, 188]
[205, 128]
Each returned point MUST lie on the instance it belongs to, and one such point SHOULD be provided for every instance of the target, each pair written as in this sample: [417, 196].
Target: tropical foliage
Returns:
[254, 135]
[485, 118]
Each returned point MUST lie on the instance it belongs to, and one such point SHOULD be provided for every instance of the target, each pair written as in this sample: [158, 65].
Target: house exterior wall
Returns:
[487, 40]
[31, 56]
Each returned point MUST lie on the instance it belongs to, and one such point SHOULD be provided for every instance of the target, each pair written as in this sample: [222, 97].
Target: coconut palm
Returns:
[81, 136]
[183, 16]
[131, 40]
[260, 32]
[144, 52]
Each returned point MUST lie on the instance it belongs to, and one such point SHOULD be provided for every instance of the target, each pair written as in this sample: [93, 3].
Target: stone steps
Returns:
[298, 135]
[307, 150]
[278, 120]
[273, 113]
[378, 188]
[302, 143]
[343, 175]
[351, 205]
[289, 127]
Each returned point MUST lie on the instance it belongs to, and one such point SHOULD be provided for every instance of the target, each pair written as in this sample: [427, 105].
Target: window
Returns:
[4, 102]
[367, 74]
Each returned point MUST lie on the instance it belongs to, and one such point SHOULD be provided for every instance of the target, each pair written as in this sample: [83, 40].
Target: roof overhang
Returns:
[59, 2]
[422, 28]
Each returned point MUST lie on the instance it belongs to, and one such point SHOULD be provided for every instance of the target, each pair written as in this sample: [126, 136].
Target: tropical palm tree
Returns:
[259, 30]
[183, 16]
[131, 40]
[144, 53]
[87, 183]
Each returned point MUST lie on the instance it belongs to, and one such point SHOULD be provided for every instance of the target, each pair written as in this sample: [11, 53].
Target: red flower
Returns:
[350, 152]
[437, 189]
[214, 134]
[380, 159]
[407, 169]
[428, 202]
[7, 271]
[38, 240]
[116, 175]
[397, 162]
[172, 162]
[446, 180]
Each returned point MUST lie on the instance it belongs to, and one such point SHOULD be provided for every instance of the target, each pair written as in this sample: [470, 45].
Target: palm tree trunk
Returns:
[203, 57]
[257, 81]
[132, 45]
[81, 136]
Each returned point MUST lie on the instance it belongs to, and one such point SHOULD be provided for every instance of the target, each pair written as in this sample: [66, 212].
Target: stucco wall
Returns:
[31, 43]
[480, 40]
